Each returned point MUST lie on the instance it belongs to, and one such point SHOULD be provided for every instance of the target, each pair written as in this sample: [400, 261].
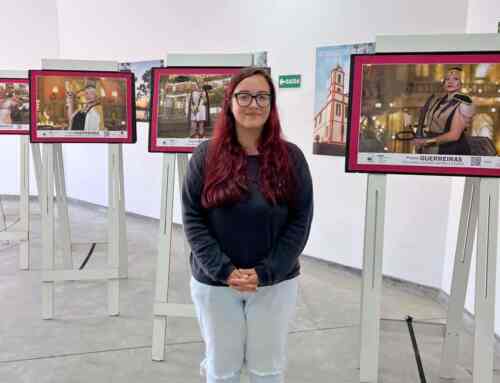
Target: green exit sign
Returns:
[289, 81]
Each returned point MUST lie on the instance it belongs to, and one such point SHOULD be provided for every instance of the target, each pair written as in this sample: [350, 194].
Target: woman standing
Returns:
[247, 208]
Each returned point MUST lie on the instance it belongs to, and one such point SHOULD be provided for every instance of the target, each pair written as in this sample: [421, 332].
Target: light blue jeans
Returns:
[244, 328]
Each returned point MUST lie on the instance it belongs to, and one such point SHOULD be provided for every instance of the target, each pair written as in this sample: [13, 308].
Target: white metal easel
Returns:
[479, 210]
[480, 205]
[53, 171]
[20, 231]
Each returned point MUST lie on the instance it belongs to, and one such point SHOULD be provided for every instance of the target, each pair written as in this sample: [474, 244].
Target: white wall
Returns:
[422, 220]
[148, 30]
[30, 32]
[289, 31]
[483, 16]
[410, 250]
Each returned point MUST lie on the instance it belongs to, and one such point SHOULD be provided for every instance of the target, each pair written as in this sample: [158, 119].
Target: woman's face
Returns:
[452, 82]
[90, 94]
[255, 114]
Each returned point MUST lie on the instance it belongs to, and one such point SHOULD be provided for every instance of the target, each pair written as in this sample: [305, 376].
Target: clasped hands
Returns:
[243, 280]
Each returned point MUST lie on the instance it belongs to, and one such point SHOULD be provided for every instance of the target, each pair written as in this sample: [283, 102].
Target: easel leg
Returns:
[37, 161]
[461, 269]
[24, 206]
[164, 252]
[182, 165]
[62, 208]
[113, 229]
[486, 281]
[48, 243]
[3, 220]
[122, 247]
[372, 277]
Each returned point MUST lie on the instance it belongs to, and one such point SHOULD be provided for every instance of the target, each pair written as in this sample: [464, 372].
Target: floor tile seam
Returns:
[69, 355]
[322, 329]
[292, 333]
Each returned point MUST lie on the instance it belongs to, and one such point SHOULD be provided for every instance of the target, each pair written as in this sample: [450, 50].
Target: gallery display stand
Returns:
[479, 211]
[20, 231]
[53, 174]
[162, 308]
[479, 214]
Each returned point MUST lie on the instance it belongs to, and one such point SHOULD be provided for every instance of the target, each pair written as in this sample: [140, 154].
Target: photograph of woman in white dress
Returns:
[198, 111]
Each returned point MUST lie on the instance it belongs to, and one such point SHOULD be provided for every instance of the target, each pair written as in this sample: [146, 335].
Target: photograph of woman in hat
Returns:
[446, 118]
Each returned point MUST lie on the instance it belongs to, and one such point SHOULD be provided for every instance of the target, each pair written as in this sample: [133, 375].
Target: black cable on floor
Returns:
[421, 373]
[88, 256]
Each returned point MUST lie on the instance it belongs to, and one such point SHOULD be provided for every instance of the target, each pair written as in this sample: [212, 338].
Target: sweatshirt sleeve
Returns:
[204, 246]
[293, 239]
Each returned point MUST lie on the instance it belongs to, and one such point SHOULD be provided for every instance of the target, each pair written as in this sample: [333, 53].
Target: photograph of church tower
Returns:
[332, 97]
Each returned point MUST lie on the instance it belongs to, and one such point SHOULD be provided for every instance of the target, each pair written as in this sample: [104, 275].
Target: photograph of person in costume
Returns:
[7, 105]
[198, 111]
[90, 116]
[446, 118]
[185, 104]
[14, 106]
[247, 203]
[82, 105]
[425, 113]
[439, 109]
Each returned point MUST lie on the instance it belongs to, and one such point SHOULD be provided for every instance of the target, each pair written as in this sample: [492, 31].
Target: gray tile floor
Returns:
[83, 344]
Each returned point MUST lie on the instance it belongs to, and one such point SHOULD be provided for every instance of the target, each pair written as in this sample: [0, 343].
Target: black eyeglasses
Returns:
[245, 99]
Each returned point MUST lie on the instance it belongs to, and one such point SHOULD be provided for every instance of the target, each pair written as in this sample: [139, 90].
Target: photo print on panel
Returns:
[82, 106]
[331, 96]
[142, 75]
[186, 102]
[425, 113]
[14, 106]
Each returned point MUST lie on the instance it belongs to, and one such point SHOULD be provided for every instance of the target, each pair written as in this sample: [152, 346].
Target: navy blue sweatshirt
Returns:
[251, 233]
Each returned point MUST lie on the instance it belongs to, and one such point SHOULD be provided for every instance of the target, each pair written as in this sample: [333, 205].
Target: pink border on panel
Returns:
[158, 72]
[129, 106]
[355, 112]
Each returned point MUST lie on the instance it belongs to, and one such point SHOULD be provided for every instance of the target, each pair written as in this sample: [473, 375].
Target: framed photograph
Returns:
[425, 113]
[82, 106]
[185, 104]
[142, 76]
[331, 96]
[14, 106]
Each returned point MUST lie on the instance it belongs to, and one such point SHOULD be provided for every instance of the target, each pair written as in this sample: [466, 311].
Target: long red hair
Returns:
[226, 179]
